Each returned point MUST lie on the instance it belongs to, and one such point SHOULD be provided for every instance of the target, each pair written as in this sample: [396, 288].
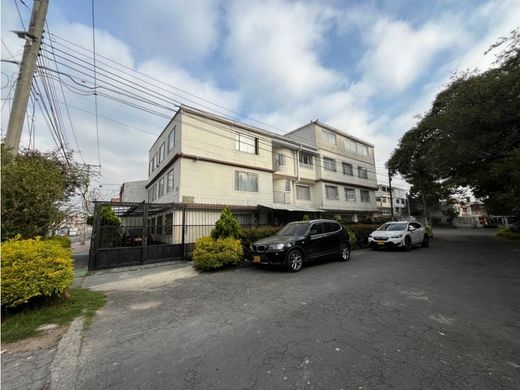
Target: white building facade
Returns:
[207, 159]
[384, 206]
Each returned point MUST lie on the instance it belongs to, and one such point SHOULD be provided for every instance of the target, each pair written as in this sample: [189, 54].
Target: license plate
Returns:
[256, 259]
[380, 242]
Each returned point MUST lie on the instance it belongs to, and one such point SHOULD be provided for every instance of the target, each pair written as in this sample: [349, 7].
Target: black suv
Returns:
[300, 242]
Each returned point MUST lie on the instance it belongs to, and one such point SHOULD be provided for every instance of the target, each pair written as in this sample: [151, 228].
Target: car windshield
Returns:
[393, 227]
[294, 229]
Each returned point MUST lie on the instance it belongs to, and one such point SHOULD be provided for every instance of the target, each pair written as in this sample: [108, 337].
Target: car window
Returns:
[331, 227]
[318, 226]
[415, 225]
[392, 227]
[294, 229]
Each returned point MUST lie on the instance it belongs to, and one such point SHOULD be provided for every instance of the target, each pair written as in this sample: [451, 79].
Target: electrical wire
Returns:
[95, 81]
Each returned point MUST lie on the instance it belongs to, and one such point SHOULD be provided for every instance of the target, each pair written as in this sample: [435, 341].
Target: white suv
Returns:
[401, 234]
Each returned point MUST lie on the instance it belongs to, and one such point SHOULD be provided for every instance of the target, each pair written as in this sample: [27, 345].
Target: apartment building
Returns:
[399, 196]
[204, 158]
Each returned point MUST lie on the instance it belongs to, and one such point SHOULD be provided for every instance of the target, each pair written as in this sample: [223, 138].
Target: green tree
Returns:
[226, 226]
[35, 187]
[470, 137]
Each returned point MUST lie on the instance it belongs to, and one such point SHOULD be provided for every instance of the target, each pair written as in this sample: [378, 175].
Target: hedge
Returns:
[33, 268]
[63, 241]
[359, 234]
[253, 234]
[210, 254]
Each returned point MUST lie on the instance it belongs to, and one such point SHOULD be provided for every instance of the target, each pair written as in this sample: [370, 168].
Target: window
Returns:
[362, 150]
[161, 187]
[362, 173]
[150, 167]
[168, 223]
[329, 164]
[328, 137]
[347, 169]
[171, 139]
[365, 195]
[287, 186]
[159, 228]
[245, 181]
[350, 145]
[331, 192]
[247, 144]
[161, 154]
[356, 147]
[280, 159]
[350, 194]
[153, 192]
[384, 200]
[378, 199]
[329, 227]
[306, 160]
[156, 160]
[169, 181]
[303, 192]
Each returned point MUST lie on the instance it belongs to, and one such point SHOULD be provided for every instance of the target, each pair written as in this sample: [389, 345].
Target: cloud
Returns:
[398, 53]
[273, 49]
[182, 31]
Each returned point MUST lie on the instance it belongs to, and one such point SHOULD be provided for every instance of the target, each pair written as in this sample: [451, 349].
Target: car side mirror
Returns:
[411, 228]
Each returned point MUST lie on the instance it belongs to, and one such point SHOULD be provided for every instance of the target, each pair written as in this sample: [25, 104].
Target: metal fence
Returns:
[126, 234]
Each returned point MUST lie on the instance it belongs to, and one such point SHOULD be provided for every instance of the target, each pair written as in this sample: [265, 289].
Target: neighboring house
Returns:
[133, 191]
[206, 159]
[470, 214]
[399, 196]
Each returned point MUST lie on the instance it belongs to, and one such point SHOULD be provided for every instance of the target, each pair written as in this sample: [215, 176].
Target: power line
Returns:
[66, 105]
[95, 80]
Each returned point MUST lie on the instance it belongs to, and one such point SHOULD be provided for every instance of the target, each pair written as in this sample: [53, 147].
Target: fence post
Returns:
[145, 233]
[94, 239]
[183, 232]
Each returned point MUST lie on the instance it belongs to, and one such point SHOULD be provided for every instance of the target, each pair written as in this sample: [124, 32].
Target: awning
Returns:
[289, 207]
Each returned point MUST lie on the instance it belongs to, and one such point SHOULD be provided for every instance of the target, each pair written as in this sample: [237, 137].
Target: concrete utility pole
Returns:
[33, 40]
[391, 195]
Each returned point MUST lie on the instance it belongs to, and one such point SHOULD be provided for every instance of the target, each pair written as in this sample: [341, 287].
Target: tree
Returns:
[470, 137]
[226, 226]
[35, 187]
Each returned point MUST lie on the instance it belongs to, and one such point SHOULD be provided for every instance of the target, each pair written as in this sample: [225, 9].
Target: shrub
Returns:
[253, 234]
[429, 231]
[360, 232]
[508, 233]
[34, 267]
[63, 241]
[210, 254]
[226, 226]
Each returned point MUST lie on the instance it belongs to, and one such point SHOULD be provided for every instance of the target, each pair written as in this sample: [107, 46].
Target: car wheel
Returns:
[294, 261]
[426, 241]
[407, 243]
[344, 252]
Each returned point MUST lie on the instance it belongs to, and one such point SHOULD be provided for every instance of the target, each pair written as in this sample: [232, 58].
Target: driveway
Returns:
[445, 317]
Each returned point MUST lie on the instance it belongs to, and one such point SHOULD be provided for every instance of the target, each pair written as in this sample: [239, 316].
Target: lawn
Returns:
[23, 322]
[506, 233]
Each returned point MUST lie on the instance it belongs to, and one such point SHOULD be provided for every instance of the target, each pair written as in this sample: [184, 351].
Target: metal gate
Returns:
[126, 234]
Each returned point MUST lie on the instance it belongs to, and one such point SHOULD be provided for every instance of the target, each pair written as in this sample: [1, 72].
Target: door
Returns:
[330, 242]
[315, 245]
[417, 234]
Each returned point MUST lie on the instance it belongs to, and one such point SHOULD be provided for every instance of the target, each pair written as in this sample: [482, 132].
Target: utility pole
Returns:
[33, 39]
[391, 195]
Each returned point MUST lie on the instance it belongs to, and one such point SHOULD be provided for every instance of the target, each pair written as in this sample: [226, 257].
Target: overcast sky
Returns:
[366, 67]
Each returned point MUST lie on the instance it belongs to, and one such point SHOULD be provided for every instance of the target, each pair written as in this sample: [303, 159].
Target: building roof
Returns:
[333, 129]
[278, 138]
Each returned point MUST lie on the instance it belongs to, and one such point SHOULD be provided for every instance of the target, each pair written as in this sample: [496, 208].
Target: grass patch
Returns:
[506, 233]
[22, 322]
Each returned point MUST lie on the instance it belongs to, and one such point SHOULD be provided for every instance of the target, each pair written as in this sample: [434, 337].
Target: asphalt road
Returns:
[445, 317]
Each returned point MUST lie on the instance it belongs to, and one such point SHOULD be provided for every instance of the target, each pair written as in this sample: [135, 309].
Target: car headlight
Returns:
[396, 236]
[277, 247]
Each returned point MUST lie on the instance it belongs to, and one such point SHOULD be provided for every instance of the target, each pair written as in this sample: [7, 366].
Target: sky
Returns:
[369, 68]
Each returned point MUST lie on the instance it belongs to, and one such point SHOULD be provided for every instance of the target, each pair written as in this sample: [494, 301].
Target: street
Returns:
[444, 317]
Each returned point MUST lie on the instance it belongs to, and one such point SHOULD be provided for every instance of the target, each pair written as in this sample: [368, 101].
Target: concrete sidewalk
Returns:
[48, 362]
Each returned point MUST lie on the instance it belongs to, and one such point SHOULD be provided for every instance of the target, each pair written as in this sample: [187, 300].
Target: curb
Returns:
[64, 368]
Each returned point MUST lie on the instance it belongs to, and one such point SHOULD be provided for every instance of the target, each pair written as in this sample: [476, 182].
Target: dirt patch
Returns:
[48, 339]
